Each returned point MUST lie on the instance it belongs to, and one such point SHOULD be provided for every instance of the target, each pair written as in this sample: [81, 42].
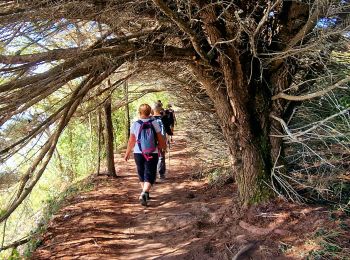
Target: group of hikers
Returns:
[149, 137]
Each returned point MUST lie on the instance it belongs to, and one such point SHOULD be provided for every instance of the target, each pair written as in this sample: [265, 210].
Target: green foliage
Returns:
[77, 151]
[345, 101]
[119, 124]
[14, 255]
[2, 212]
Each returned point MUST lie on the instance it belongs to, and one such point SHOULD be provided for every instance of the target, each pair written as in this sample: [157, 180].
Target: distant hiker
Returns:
[166, 122]
[145, 138]
[160, 104]
[169, 113]
[161, 168]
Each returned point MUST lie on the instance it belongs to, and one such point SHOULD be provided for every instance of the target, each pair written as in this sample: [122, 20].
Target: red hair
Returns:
[145, 110]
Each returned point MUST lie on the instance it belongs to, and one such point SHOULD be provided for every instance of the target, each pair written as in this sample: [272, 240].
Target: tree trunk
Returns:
[245, 134]
[91, 150]
[247, 138]
[59, 161]
[99, 137]
[242, 106]
[127, 112]
[72, 172]
[109, 138]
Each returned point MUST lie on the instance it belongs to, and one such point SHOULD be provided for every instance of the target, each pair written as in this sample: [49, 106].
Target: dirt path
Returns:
[186, 219]
[109, 222]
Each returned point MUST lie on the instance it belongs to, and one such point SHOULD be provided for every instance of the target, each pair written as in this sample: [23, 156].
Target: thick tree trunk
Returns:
[109, 138]
[236, 101]
[245, 134]
[250, 151]
[254, 149]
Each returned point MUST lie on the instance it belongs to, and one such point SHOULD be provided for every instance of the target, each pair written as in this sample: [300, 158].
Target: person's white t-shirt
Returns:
[135, 127]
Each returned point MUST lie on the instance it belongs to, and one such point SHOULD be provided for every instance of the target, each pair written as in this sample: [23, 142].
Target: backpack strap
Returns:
[139, 135]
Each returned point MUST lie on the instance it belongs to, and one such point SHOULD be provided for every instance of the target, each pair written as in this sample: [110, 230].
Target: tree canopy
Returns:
[252, 62]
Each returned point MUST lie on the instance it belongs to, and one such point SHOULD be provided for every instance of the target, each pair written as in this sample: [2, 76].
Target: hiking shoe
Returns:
[143, 199]
[147, 196]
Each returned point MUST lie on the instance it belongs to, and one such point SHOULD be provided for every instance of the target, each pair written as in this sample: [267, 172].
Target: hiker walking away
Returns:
[161, 168]
[166, 123]
[145, 138]
[160, 104]
[170, 114]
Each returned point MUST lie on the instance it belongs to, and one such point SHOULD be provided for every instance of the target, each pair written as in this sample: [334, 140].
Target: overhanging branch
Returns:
[311, 95]
[15, 244]
[183, 26]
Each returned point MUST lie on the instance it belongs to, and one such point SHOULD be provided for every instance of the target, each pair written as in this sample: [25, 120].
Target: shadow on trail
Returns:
[108, 222]
[186, 219]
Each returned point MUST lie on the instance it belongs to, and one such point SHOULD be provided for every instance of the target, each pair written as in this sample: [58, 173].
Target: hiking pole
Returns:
[169, 157]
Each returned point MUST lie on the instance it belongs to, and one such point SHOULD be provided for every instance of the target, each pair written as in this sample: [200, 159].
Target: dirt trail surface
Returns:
[186, 219]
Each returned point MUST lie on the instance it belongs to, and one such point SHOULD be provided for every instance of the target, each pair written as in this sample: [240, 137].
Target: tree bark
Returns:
[72, 173]
[246, 136]
[109, 138]
[127, 112]
[99, 137]
[236, 102]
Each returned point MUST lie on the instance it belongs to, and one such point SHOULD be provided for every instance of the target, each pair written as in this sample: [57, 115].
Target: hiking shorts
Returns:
[146, 170]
